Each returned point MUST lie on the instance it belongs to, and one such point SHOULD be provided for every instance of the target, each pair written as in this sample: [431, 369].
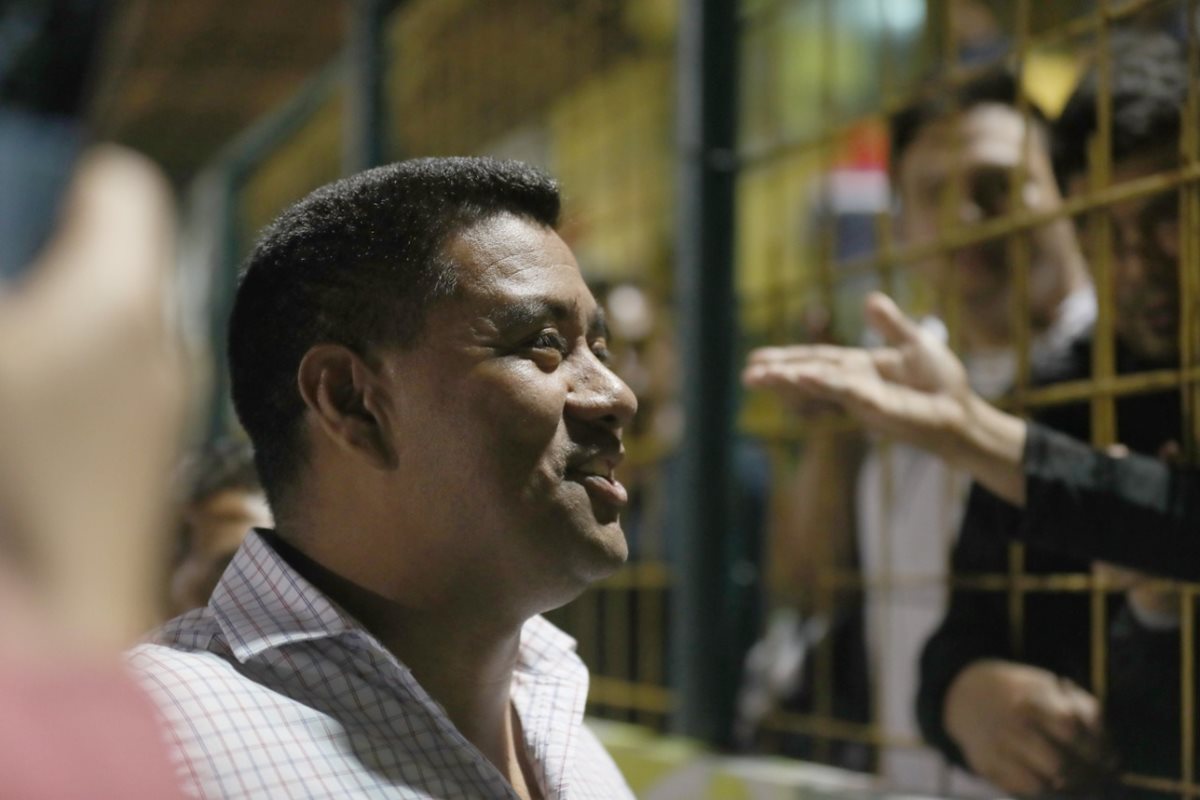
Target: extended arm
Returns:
[914, 390]
[1133, 510]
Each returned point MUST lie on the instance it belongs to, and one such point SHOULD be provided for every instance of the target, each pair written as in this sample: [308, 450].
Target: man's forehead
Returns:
[506, 241]
[515, 272]
[985, 132]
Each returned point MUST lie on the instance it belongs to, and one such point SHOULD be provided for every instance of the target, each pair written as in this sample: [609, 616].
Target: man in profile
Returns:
[421, 369]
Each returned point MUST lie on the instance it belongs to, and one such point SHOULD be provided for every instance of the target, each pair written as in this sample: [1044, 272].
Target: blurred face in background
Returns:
[1144, 259]
[956, 173]
[214, 528]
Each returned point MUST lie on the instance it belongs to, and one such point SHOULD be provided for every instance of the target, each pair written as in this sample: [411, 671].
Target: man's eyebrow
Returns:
[531, 311]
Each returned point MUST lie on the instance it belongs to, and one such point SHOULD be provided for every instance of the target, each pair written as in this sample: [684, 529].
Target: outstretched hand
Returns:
[913, 388]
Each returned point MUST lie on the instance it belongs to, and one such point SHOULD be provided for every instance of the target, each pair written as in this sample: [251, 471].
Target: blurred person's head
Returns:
[965, 149]
[644, 355]
[420, 366]
[223, 501]
[1149, 86]
[976, 30]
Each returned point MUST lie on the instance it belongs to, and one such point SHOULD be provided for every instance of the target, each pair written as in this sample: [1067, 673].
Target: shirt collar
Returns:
[544, 647]
[261, 603]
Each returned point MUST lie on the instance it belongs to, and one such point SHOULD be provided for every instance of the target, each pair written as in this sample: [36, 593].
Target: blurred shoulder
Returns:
[181, 652]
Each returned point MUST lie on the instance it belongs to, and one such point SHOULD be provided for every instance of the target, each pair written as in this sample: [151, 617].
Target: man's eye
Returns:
[550, 340]
[600, 349]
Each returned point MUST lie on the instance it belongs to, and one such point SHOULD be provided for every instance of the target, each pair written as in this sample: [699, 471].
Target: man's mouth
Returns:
[1162, 316]
[597, 476]
[1161, 313]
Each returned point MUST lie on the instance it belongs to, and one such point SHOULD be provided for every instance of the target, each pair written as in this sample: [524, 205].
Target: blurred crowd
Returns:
[1007, 691]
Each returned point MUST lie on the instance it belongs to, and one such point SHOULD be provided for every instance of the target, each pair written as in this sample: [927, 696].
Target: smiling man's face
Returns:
[1144, 259]
[510, 422]
[972, 157]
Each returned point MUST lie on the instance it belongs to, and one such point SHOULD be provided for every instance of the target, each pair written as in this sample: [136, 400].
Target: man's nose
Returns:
[1147, 262]
[598, 395]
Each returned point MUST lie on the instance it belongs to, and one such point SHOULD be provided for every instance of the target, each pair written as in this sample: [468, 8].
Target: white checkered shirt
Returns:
[272, 691]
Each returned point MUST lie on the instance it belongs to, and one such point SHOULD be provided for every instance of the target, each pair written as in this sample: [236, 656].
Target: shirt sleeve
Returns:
[1136, 510]
[1144, 697]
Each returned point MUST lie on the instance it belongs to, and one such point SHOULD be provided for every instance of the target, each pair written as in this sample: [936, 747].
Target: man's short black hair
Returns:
[994, 86]
[356, 263]
[1149, 88]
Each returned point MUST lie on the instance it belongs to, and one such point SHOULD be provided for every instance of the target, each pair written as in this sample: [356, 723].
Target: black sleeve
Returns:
[1144, 697]
[976, 623]
[1136, 511]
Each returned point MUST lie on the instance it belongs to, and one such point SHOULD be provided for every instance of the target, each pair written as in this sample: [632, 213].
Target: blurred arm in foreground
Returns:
[1077, 499]
[91, 402]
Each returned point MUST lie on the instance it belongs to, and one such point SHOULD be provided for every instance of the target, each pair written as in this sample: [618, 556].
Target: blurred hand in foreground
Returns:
[91, 402]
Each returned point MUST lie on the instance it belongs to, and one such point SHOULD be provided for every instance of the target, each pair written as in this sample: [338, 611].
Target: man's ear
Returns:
[348, 401]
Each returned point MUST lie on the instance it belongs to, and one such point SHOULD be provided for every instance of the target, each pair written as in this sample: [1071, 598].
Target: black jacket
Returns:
[1081, 506]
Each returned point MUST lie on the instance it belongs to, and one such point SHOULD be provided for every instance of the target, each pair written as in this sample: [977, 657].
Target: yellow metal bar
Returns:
[993, 581]
[949, 45]
[1189, 332]
[606, 691]
[826, 600]
[1156, 784]
[1019, 256]
[651, 636]
[826, 728]
[1187, 673]
[1103, 408]
[779, 304]
[1189, 266]
[585, 625]
[904, 255]
[615, 663]
[1018, 243]
[639, 575]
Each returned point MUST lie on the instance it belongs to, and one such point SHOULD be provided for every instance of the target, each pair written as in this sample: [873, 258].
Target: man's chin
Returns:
[599, 556]
[612, 547]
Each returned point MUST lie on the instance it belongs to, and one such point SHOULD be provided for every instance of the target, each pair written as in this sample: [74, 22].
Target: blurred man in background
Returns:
[223, 501]
[1018, 716]
[906, 503]
[1028, 726]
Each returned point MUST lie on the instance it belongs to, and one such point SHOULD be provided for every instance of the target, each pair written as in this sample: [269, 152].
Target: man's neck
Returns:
[459, 656]
[978, 337]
